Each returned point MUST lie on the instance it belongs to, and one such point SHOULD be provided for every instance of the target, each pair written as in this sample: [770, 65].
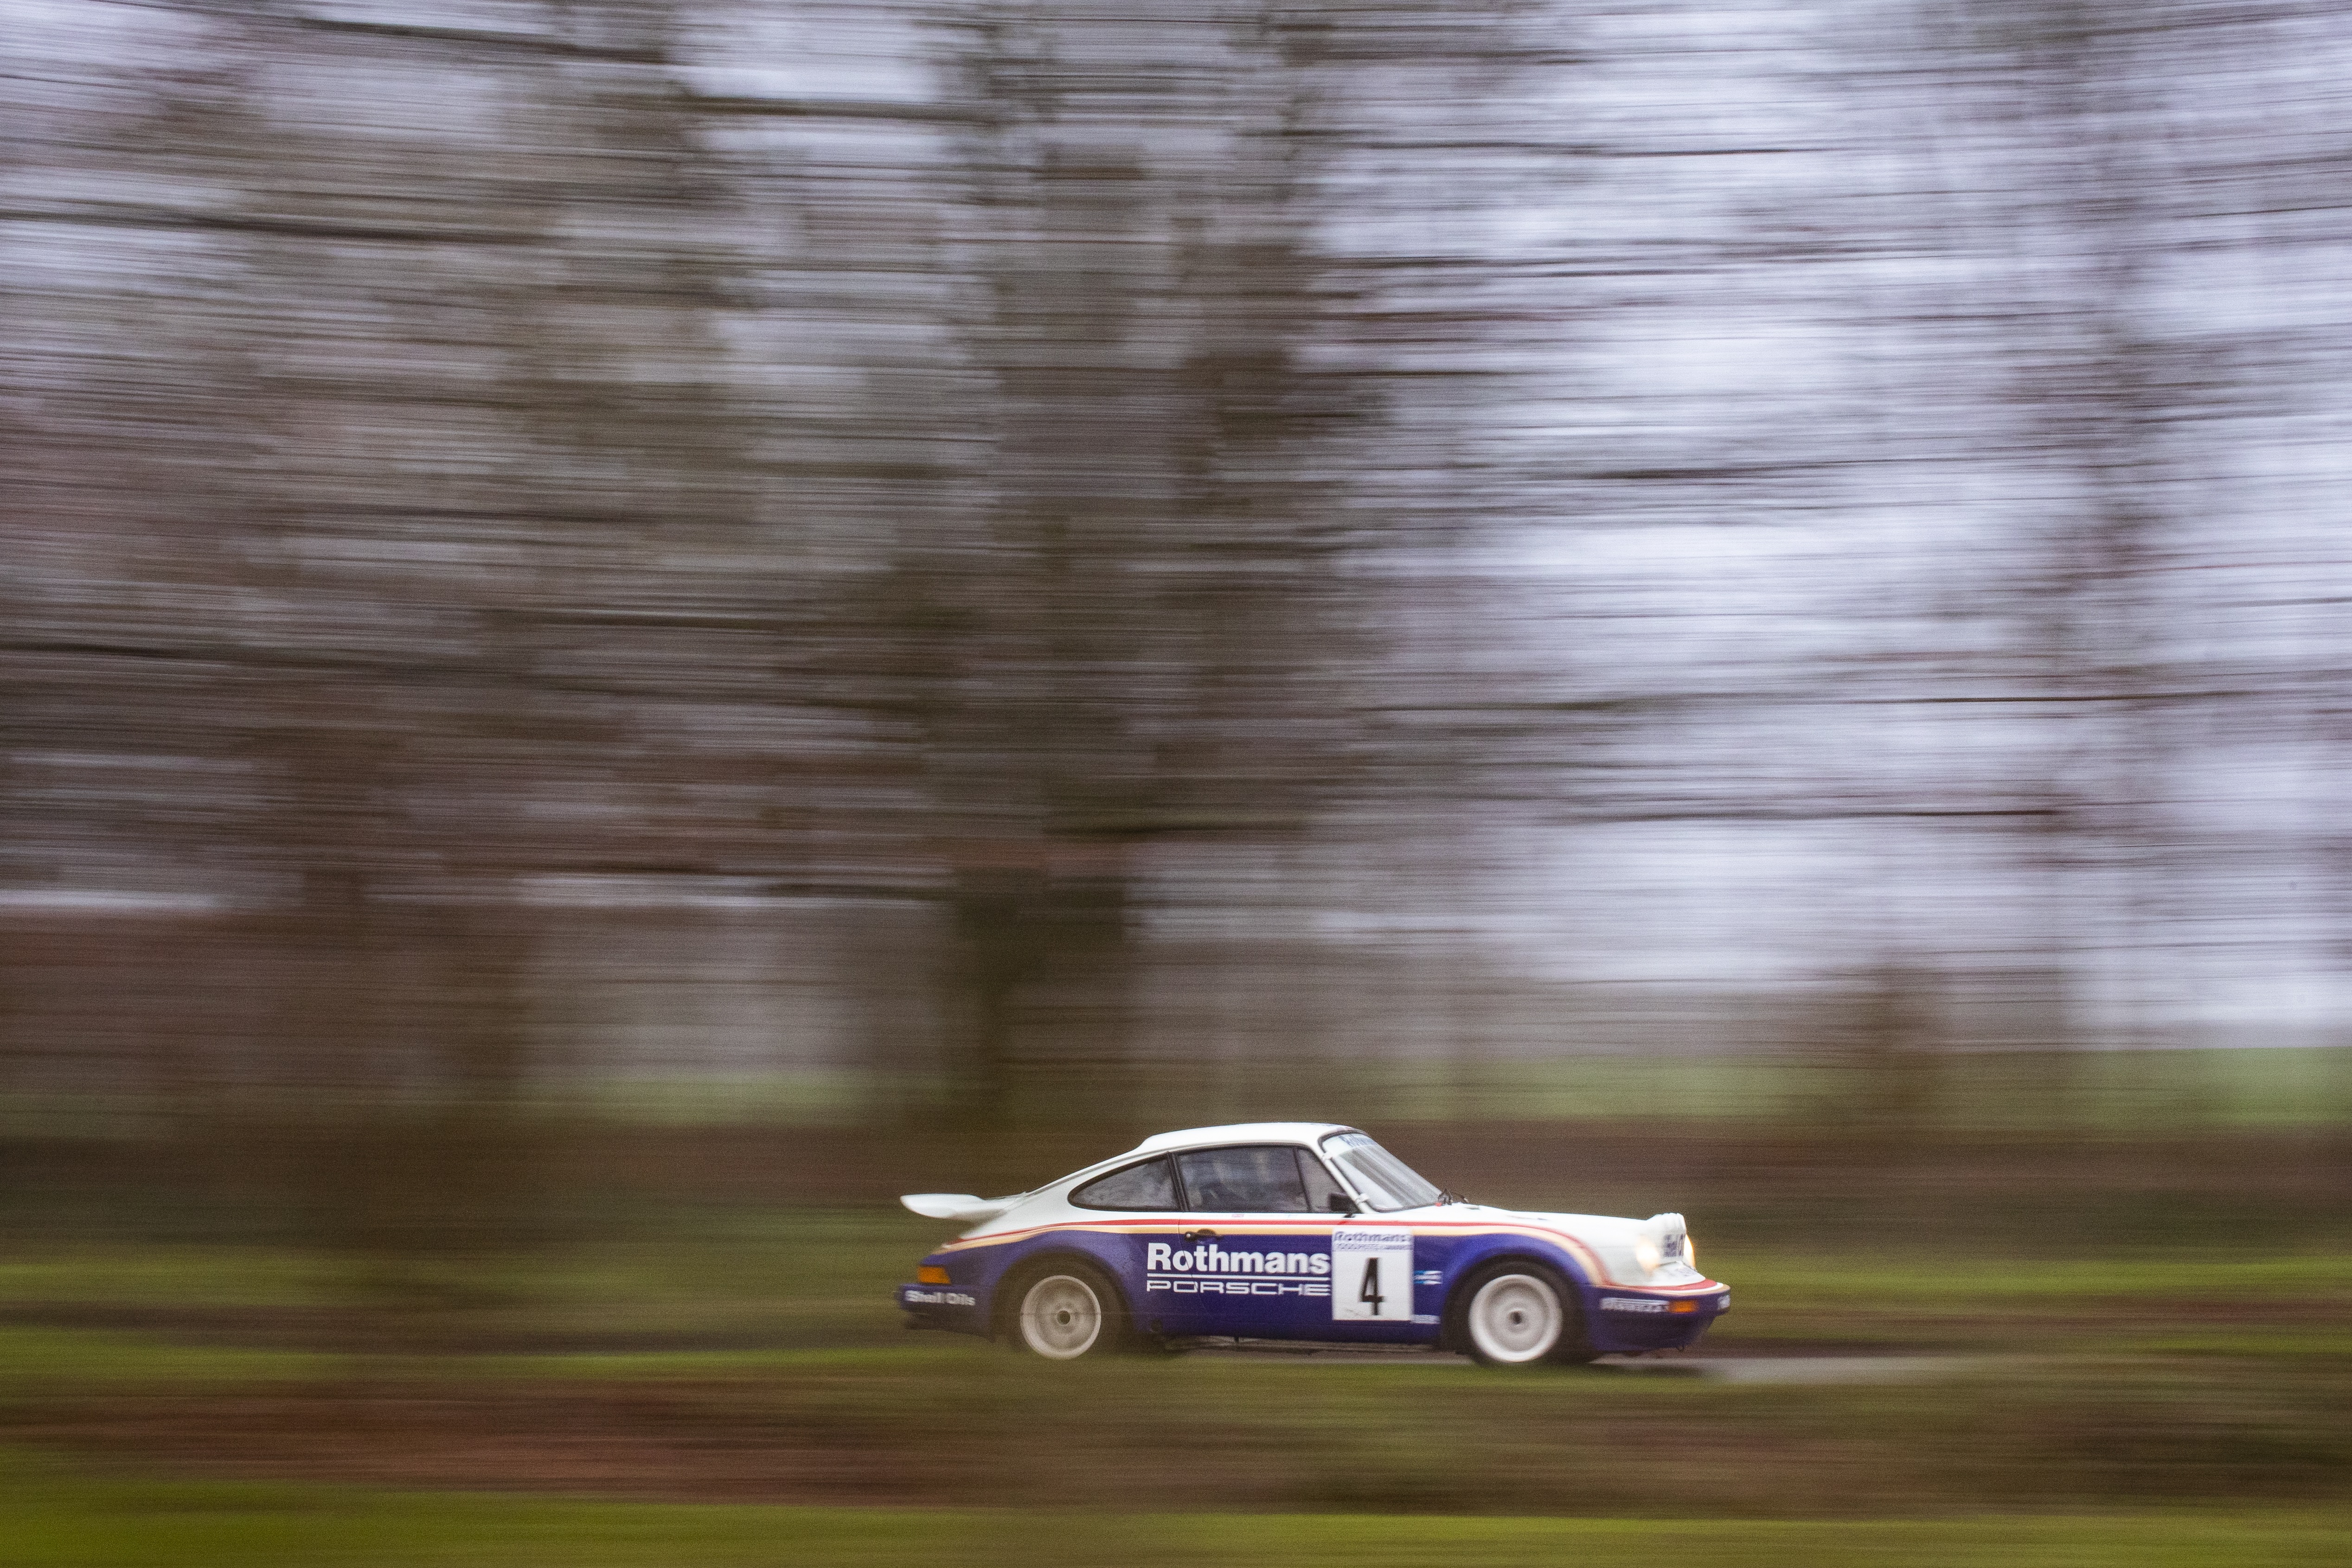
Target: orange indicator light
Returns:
[1683, 1307]
[932, 1274]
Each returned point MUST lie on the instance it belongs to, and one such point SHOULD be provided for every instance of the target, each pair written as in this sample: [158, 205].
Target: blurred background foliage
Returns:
[961, 553]
[632, 625]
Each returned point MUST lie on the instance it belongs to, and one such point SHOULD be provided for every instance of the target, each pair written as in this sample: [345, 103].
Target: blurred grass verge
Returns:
[53, 1520]
[964, 1427]
[687, 1290]
[700, 1314]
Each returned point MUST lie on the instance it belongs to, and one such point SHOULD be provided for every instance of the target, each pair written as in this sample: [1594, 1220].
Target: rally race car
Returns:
[1300, 1232]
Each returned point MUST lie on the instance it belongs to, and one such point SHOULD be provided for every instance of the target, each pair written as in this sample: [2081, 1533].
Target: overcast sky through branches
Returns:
[1008, 503]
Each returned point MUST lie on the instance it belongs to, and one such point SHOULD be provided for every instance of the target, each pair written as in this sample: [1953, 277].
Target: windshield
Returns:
[1387, 1182]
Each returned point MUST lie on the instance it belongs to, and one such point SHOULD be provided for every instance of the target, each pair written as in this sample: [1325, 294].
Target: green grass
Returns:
[84, 1357]
[949, 1424]
[782, 1279]
[50, 1519]
[735, 1353]
[2130, 1092]
[2126, 1093]
[1786, 1297]
[2159, 1366]
[148, 1274]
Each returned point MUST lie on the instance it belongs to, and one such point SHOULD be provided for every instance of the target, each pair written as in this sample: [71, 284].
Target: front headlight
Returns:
[1690, 1252]
[1646, 1253]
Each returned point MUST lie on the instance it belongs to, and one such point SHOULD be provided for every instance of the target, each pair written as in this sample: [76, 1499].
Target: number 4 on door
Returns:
[1371, 1275]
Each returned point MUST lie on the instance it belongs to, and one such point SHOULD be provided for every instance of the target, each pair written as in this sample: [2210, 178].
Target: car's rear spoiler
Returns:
[961, 1206]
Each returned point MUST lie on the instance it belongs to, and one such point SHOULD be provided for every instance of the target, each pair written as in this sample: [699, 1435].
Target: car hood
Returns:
[1614, 1238]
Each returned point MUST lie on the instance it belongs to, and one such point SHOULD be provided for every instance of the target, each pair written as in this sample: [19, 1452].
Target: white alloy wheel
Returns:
[1515, 1318]
[1061, 1317]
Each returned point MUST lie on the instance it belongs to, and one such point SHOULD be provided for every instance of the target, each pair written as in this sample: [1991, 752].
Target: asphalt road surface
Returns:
[1890, 1368]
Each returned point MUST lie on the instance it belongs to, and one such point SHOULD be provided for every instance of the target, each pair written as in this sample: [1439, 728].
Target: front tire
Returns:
[1067, 1310]
[1515, 1314]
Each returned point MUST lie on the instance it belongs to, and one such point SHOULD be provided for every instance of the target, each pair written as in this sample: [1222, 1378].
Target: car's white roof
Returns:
[1240, 1133]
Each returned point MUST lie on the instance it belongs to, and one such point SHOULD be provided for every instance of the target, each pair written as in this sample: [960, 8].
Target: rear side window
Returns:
[1261, 1178]
[1145, 1186]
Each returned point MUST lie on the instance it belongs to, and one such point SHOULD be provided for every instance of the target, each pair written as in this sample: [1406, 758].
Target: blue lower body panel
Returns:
[1286, 1283]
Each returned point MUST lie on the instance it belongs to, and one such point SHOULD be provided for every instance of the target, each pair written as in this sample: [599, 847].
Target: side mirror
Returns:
[1340, 1203]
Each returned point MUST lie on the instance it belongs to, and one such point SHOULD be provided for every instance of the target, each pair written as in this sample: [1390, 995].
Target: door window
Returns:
[1253, 1179]
[1321, 1185]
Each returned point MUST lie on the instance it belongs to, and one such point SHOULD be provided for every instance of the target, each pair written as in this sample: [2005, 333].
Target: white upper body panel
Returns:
[1618, 1245]
[1306, 1132]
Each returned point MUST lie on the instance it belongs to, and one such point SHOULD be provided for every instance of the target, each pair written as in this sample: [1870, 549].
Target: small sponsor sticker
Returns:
[1632, 1304]
[1366, 1239]
[938, 1299]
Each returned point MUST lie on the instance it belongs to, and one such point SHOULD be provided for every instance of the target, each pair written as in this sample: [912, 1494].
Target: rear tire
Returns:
[1517, 1313]
[1064, 1310]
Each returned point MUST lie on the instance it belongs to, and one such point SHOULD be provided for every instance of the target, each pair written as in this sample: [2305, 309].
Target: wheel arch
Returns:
[1508, 1251]
[1020, 1272]
[1561, 1260]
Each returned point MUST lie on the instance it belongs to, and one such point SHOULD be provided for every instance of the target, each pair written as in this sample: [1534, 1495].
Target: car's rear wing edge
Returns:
[961, 1207]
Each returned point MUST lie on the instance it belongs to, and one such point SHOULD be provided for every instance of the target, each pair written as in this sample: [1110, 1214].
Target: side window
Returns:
[1320, 1187]
[1263, 1179]
[1146, 1186]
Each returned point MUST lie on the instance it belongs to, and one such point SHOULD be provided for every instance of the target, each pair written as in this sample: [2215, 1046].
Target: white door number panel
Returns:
[1371, 1275]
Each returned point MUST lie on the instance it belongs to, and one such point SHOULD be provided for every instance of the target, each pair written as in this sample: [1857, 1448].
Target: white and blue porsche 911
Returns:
[1302, 1231]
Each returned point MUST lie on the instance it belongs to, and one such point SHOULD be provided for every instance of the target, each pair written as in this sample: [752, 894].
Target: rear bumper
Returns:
[942, 1307]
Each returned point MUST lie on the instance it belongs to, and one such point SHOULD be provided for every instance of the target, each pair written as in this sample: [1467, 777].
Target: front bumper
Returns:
[1628, 1323]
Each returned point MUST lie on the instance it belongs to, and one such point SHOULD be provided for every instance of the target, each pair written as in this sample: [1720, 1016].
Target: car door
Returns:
[1254, 1259]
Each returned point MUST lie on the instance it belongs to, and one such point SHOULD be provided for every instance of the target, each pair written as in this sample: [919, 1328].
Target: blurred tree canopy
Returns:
[1665, 494]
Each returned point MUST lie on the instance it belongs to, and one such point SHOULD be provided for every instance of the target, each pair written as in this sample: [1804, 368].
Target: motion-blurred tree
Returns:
[1129, 624]
[1038, 466]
